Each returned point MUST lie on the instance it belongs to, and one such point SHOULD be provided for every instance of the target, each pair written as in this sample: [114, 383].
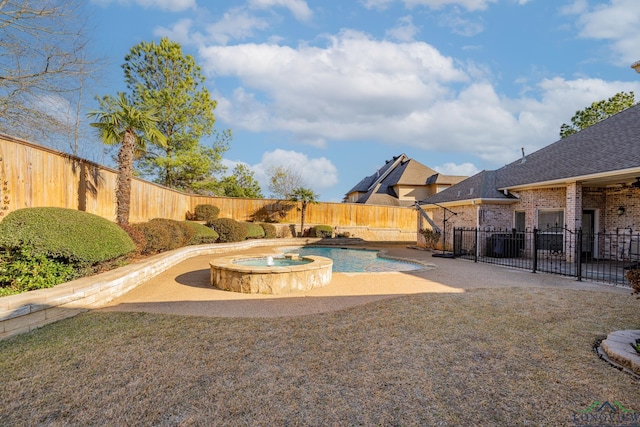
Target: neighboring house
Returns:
[589, 181]
[400, 182]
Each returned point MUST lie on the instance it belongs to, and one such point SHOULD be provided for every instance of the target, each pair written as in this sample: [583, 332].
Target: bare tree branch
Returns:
[42, 67]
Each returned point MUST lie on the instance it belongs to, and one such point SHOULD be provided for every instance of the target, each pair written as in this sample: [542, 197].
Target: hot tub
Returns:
[257, 275]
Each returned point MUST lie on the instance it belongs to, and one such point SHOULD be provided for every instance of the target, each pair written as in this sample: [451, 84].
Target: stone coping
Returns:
[230, 276]
[30, 310]
[617, 349]
[227, 263]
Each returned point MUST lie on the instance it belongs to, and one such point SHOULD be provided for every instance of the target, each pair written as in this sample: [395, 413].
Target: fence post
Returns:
[535, 249]
[579, 254]
[455, 242]
[475, 253]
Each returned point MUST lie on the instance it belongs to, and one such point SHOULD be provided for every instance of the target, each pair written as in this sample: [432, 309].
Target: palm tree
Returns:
[306, 196]
[120, 122]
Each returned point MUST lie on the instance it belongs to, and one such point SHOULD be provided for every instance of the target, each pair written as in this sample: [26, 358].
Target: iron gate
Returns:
[603, 257]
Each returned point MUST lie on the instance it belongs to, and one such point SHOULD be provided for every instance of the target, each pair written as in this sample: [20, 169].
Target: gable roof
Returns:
[400, 170]
[409, 172]
[610, 145]
[479, 186]
[445, 179]
[366, 183]
[607, 147]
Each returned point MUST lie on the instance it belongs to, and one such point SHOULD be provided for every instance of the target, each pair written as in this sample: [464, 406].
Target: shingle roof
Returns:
[410, 172]
[480, 186]
[445, 179]
[365, 183]
[610, 145]
[401, 170]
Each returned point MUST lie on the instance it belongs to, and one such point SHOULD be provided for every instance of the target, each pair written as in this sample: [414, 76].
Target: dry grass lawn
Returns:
[486, 357]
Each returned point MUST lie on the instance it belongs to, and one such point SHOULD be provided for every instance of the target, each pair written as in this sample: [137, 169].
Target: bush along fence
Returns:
[603, 257]
[36, 176]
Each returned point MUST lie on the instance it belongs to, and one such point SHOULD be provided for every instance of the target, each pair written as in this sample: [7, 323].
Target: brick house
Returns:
[400, 182]
[589, 181]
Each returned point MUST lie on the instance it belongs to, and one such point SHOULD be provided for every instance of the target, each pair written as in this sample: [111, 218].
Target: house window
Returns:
[551, 230]
[519, 223]
[550, 219]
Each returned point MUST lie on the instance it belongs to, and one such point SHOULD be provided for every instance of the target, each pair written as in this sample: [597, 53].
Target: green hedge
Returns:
[21, 271]
[254, 231]
[65, 234]
[156, 237]
[229, 230]
[201, 234]
[179, 232]
[137, 236]
[322, 231]
[269, 230]
[206, 212]
[163, 234]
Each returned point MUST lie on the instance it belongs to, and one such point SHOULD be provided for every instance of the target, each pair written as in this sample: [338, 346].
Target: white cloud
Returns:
[170, 5]
[230, 165]
[463, 169]
[332, 92]
[298, 8]
[405, 31]
[470, 5]
[236, 24]
[376, 4]
[179, 32]
[459, 25]
[617, 22]
[359, 89]
[55, 106]
[317, 173]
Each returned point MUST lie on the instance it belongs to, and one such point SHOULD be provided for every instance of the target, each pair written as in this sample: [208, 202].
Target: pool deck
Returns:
[185, 289]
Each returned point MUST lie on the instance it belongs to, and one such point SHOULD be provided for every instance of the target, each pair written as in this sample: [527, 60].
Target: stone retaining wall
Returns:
[30, 310]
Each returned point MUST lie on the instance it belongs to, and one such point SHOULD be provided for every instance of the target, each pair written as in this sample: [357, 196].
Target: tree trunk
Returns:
[125, 173]
[304, 211]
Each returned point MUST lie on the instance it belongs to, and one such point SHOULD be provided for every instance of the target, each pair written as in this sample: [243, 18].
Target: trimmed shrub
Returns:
[269, 230]
[206, 213]
[229, 230]
[179, 232]
[254, 231]
[22, 271]
[285, 232]
[157, 237]
[65, 234]
[201, 234]
[162, 234]
[137, 236]
[322, 231]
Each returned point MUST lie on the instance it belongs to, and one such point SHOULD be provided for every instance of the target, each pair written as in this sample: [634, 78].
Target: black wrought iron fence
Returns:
[603, 257]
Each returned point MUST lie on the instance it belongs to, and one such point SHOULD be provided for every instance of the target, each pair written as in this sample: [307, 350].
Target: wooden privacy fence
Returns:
[35, 176]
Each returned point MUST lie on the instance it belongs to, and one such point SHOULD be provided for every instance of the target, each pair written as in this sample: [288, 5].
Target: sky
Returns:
[333, 89]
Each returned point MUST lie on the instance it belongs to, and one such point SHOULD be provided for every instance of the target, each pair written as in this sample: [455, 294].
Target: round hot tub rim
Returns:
[227, 263]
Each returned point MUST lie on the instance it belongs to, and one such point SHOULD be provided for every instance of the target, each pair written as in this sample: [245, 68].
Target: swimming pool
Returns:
[349, 260]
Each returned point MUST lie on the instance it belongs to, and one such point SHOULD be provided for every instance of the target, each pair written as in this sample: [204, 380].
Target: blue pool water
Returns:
[275, 262]
[346, 260]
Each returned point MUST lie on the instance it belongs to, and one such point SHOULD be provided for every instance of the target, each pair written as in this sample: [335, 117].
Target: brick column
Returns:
[573, 216]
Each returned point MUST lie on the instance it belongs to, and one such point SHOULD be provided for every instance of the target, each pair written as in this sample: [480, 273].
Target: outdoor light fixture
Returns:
[620, 210]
